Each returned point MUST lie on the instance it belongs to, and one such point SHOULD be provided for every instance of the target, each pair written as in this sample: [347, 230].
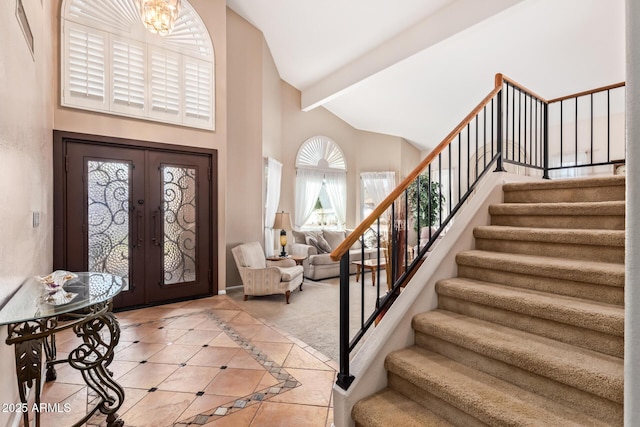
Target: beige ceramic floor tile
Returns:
[121, 367]
[315, 389]
[247, 330]
[235, 382]
[53, 392]
[277, 352]
[160, 408]
[267, 381]
[189, 379]
[267, 334]
[244, 318]
[201, 337]
[213, 356]
[223, 340]
[288, 415]
[175, 353]
[225, 315]
[208, 324]
[161, 336]
[67, 413]
[300, 358]
[186, 322]
[137, 352]
[147, 375]
[244, 360]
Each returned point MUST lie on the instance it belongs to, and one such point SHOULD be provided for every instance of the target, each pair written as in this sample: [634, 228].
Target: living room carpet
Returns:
[313, 314]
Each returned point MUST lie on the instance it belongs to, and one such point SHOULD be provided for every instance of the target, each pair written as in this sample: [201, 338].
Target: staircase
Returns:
[531, 331]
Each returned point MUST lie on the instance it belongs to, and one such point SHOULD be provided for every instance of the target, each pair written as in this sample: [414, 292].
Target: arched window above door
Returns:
[111, 64]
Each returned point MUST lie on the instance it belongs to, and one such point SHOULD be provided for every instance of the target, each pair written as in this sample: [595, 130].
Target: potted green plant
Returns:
[425, 199]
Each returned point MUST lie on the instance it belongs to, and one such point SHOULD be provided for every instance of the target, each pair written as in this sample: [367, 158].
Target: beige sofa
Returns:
[317, 246]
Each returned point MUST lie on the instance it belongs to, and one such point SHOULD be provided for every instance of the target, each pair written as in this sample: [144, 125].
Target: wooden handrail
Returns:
[524, 88]
[500, 79]
[343, 248]
[587, 92]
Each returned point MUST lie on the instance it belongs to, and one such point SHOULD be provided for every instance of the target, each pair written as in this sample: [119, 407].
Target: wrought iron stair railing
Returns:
[512, 127]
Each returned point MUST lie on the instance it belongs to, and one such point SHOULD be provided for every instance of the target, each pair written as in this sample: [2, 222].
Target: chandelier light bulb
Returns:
[159, 16]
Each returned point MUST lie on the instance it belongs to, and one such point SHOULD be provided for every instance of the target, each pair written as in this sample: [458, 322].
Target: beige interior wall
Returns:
[26, 178]
[213, 14]
[245, 108]
[297, 127]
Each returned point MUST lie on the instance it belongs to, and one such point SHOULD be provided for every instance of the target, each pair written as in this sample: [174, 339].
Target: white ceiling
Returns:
[415, 71]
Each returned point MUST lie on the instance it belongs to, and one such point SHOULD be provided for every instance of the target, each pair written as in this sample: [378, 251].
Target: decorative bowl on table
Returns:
[53, 284]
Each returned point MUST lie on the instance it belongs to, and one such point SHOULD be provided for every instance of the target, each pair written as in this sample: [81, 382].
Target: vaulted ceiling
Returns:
[415, 68]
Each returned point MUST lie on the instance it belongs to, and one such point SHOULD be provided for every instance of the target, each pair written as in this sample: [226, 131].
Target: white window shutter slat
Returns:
[84, 71]
[165, 85]
[198, 91]
[128, 74]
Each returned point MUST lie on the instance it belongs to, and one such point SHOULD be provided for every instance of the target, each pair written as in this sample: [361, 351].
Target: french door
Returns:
[137, 212]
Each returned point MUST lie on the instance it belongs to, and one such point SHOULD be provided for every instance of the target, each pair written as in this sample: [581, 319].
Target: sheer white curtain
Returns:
[308, 186]
[274, 177]
[378, 184]
[336, 186]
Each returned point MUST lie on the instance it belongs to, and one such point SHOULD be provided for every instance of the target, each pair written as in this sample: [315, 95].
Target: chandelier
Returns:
[159, 16]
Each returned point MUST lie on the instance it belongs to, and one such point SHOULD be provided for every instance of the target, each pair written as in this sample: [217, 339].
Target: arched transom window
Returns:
[110, 63]
[321, 185]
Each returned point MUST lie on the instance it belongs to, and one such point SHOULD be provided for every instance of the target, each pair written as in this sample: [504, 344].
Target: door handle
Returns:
[154, 231]
[138, 228]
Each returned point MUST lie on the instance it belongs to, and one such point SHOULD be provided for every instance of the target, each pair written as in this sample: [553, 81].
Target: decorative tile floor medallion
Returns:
[282, 382]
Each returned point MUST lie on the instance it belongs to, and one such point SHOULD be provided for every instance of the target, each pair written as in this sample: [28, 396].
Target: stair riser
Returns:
[557, 221]
[440, 407]
[588, 291]
[585, 338]
[590, 404]
[557, 250]
[565, 195]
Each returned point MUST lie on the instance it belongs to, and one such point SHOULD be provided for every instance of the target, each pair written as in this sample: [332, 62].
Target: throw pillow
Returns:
[318, 242]
[299, 237]
[333, 238]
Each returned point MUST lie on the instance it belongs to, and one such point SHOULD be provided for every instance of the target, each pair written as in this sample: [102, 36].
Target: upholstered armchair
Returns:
[263, 277]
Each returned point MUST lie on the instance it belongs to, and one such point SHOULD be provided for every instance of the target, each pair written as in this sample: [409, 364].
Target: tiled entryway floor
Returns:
[203, 362]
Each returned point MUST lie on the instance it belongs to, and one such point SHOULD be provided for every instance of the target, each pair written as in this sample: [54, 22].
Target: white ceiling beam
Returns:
[446, 22]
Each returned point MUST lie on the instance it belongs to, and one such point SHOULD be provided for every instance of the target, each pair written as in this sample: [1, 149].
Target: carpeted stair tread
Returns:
[578, 208]
[580, 368]
[390, 408]
[604, 181]
[489, 399]
[600, 317]
[601, 273]
[613, 238]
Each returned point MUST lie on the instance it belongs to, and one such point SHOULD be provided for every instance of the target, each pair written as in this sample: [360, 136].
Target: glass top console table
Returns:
[33, 318]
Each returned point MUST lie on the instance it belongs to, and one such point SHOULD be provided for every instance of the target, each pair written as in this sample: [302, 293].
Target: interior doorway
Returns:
[140, 210]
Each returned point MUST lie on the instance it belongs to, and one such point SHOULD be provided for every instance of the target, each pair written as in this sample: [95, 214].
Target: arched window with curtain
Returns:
[321, 185]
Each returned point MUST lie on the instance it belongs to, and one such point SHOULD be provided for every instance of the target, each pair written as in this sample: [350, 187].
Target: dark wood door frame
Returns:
[60, 140]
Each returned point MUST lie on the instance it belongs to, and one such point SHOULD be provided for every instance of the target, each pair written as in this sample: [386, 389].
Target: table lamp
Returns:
[283, 222]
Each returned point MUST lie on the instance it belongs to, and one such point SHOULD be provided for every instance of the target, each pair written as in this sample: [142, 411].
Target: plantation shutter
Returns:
[85, 67]
[165, 85]
[198, 88]
[128, 74]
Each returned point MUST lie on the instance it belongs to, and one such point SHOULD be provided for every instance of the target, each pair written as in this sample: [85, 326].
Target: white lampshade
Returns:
[282, 221]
